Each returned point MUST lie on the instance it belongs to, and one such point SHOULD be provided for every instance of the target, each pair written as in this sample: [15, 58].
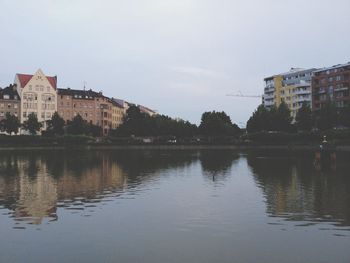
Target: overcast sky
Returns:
[180, 57]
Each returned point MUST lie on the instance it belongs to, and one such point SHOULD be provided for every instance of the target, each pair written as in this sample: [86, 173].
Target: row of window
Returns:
[3, 114]
[34, 96]
[39, 88]
[7, 97]
[9, 105]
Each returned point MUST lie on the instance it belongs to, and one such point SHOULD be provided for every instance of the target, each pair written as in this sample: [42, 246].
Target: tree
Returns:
[304, 118]
[259, 121]
[94, 130]
[56, 124]
[273, 119]
[327, 116]
[10, 124]
[217, 124]
[31, 124]
[283, 118]
[77, 126]
[344, 116]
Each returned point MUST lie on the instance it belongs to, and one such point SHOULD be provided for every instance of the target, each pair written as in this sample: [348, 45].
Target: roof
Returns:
[119, 102]
[81, 94]
[25, 78]
[145, 109]
[333, 67]
[292, 71]
[10, 91]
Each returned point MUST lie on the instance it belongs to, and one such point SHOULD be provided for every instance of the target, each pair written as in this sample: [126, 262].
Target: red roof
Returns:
[24, 79]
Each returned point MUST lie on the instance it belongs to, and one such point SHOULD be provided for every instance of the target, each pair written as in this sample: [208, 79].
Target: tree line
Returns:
[135, 123]
[212, 123]
[279, 118]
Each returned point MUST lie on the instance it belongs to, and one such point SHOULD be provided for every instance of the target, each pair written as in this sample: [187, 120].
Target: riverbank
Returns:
[174, 147]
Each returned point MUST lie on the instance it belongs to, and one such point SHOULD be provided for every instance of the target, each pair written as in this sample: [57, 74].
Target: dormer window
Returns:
[6, 97]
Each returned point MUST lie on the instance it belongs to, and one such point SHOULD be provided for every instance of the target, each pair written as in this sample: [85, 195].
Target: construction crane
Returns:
[239, 94]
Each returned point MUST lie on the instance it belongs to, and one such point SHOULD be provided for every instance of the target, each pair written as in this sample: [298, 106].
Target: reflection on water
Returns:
[296, 191]
[172, 206]
[32, 186]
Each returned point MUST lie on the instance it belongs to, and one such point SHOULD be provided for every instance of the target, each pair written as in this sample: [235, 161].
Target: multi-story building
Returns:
[118, 113]
[292, 87]
[9, 102]
[331, 84]
[90, 105]
[38, 95]
[72, 102]
[147, 111]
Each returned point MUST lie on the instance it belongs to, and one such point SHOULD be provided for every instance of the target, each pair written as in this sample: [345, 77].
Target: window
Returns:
[9, 106]
[6, 97]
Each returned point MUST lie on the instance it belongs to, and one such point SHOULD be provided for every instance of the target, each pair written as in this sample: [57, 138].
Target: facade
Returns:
[92, 106]
[293, 87]
[106, 106]
[71, 102]
[118, 113]
[331, 84]
[38, 95]
[9, 102]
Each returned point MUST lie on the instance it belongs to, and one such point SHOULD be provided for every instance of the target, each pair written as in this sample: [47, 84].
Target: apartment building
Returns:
[90, 105]
[331, 84]
[118, 113]
[38, 95]
[71, 102]
[9, 102]
[292, 87]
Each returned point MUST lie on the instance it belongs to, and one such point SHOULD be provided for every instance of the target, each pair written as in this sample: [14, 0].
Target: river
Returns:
[172, 206]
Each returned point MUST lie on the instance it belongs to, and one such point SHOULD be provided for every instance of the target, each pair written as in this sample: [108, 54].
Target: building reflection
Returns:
[34, 186]
[295, 191]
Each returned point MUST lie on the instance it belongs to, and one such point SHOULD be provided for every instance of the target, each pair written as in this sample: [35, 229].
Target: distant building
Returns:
[118, 113]
[146, 110]
[90, 105]
[38, 94]
[292, 87]
[9, 102]
[331, 84]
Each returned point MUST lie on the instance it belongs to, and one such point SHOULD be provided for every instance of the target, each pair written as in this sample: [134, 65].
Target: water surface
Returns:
[172, 206]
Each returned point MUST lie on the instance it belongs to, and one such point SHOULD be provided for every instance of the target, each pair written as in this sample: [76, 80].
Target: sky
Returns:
[179, 57]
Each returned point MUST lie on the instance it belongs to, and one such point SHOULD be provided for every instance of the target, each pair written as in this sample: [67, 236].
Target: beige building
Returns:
[38, 95]
[118, 113]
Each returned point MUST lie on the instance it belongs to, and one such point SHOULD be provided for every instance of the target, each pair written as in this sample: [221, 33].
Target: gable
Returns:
[25, 78]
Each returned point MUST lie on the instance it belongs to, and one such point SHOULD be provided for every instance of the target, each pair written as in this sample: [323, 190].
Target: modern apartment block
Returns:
[331, 84]
[292, 87]
[9, 102]
[38, 95]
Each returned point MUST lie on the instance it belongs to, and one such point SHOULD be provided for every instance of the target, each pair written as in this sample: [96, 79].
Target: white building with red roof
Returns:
[38, 95]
